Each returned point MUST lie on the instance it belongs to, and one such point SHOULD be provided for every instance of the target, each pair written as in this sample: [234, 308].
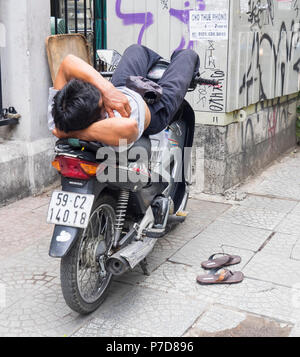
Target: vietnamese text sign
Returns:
[209, 25]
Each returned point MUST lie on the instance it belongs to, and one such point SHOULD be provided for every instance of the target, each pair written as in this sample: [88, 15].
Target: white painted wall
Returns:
[27, 149]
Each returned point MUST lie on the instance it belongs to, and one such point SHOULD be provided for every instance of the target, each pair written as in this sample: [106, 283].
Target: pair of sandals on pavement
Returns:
[218, 276]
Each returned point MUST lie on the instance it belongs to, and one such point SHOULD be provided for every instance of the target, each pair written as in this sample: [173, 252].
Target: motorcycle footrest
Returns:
[154, 233]
[174, 218]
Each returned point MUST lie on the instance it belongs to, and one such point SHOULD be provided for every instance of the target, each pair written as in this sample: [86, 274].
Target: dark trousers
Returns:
[138, 60]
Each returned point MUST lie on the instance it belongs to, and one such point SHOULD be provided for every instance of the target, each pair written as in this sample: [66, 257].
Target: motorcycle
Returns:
[114, 206]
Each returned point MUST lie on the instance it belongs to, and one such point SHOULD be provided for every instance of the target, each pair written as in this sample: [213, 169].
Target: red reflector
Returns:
[70, 167]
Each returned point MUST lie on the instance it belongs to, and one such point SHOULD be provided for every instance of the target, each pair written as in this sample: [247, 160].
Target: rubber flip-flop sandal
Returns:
[224, 277]
[225, 260]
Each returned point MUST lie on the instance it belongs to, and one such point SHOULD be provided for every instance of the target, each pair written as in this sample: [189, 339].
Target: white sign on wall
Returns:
[209, 25]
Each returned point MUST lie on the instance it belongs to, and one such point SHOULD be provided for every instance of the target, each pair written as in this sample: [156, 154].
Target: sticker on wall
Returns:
[209, 25]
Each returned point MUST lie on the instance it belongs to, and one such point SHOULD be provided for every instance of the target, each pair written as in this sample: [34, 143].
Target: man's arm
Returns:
[108, 131]
[74, 67]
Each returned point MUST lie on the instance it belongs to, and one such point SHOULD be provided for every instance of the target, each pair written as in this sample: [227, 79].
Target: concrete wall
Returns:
[27, 148]
[224, 156]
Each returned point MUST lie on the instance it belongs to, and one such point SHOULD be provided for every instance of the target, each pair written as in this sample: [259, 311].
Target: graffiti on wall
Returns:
[260, 12]
[265, 123]
[269, 50]
[146, 19]
[296, 7]
[184, 17]
[281, 52]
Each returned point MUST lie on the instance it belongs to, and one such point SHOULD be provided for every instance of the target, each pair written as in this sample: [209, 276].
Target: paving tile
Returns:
[181, 280]
[27, 270]
[191, 227]
[218, 319]
[296, 250]
[44, 312]
[159, 313]
[282, 245]
[280, 179]
[284, 171]
[235, 235]
[272, 204]
[208, 209]
[278, 188]
[19, 230]
[201, 248]
[296, 210]
[253, 217]
[106, 328]
[222, 237]
[273, 268]
[201, 214]
[290, 224]
[263, 298]
[28, 203]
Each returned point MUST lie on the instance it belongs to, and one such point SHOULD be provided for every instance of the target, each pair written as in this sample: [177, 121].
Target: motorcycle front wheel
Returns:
[84, 279]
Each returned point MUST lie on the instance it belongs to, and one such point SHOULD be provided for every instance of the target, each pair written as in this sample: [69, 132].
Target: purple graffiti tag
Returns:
[184, 16]
[201, 5]
[143, 18]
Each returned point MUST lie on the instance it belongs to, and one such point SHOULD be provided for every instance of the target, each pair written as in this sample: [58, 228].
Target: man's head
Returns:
[76, 106]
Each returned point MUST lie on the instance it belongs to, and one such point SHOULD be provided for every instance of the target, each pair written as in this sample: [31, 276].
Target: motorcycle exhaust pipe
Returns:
[116, 265]
[130, 256]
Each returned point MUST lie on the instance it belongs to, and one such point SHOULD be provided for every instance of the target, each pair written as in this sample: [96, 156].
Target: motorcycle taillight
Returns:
[74, 167]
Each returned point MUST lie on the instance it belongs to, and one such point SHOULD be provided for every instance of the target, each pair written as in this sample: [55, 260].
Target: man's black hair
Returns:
[76, 106]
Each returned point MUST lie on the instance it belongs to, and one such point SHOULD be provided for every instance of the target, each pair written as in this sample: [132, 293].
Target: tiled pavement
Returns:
[264, 229]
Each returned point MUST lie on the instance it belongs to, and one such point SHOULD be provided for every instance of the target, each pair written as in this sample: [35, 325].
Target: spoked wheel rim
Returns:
[97, 238]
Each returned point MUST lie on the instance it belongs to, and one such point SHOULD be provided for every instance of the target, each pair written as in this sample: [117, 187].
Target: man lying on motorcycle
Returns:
[84, 105]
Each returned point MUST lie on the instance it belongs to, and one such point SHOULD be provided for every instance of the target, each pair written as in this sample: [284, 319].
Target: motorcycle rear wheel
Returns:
[84, 279]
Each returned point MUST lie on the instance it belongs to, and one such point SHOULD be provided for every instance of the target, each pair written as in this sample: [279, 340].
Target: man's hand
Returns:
[113, 99]
[74, 67]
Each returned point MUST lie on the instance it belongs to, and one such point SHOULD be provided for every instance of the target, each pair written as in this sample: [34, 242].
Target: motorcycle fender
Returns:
[62, 240]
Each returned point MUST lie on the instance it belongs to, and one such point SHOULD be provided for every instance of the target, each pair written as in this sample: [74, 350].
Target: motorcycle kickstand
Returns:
[143, 265]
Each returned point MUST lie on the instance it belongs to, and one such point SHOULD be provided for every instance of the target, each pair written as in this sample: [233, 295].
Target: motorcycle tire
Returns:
[86, 254]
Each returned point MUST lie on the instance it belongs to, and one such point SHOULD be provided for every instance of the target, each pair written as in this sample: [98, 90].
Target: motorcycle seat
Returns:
[133, 154]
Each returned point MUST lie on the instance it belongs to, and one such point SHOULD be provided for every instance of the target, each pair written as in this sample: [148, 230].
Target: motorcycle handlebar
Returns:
[197, 81]
[106, 74]
[209, 82]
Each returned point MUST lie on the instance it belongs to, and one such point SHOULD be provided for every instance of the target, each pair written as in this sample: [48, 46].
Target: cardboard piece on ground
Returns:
[59, 46]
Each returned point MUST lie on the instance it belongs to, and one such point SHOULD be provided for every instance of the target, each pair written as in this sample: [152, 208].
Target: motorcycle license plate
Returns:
[70, 209]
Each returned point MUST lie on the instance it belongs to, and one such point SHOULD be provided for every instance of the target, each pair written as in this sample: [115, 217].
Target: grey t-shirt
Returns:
[136, 103]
